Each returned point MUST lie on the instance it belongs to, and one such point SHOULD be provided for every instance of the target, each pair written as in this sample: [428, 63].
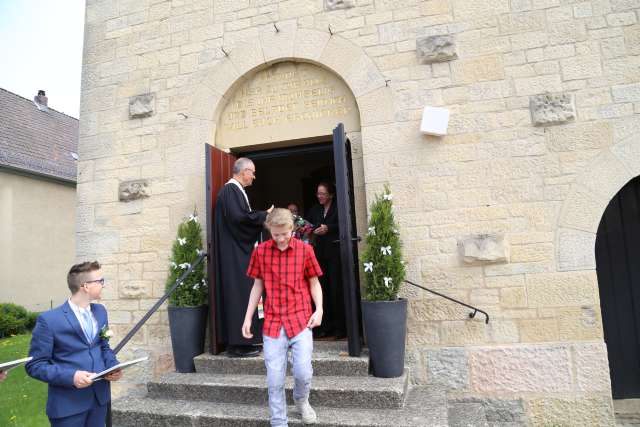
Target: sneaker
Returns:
[306, 411]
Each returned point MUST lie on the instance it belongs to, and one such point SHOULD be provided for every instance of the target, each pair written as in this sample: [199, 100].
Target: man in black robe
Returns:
[236, 230]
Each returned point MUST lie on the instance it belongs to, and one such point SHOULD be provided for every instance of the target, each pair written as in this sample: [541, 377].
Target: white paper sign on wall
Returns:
[434, 121]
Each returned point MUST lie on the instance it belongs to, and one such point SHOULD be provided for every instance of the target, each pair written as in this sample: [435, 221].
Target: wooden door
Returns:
[218, 168]
[618, 269]
[348, 250]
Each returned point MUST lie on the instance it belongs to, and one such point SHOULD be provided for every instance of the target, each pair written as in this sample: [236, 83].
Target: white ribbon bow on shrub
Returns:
[386, 250]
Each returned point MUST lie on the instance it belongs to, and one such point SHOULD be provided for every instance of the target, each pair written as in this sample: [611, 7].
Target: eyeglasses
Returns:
[101, 281]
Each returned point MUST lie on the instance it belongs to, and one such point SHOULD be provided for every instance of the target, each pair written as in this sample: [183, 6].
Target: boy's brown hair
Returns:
[78, 274]
[279, 217]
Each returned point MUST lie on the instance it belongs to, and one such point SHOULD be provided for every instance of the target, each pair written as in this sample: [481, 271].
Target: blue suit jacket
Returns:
[59, 348]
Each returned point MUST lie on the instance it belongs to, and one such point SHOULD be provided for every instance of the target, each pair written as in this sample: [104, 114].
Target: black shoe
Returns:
[243, 351]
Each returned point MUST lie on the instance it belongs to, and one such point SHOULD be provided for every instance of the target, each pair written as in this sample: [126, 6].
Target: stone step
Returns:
[424, 407]
[329, 391]
[325, 363]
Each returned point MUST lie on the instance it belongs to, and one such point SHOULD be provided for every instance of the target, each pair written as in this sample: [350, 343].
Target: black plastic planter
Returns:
[187, 326]
[385, 328]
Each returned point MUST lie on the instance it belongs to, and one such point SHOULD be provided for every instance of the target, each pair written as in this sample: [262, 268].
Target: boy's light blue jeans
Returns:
[275, 359]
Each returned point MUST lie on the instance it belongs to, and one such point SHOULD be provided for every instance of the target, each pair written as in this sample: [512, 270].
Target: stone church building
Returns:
[525, 206]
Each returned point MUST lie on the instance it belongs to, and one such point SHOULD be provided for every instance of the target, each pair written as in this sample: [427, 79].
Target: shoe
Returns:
[243, 351]
[306, 411]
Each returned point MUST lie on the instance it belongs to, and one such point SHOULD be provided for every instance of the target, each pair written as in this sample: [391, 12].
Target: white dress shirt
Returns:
[78, 310]
[244, 193]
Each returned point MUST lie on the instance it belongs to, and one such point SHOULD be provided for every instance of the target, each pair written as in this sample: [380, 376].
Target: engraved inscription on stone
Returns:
[133, 190]
[286, 101]
[436, 49]
[337, 4]
[552, 109]
[141, 105]
[484, 248]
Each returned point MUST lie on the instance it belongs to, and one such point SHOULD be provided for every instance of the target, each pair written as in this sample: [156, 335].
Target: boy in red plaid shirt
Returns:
[287, 270]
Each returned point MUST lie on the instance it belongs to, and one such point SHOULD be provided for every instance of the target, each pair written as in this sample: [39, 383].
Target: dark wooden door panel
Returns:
[618, 268]
[218, 169]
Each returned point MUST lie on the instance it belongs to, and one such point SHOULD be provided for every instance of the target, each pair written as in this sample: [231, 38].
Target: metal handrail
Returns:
[471, 315]
[149, 313]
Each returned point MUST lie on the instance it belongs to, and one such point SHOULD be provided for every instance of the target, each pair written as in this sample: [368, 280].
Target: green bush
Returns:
[15, 319]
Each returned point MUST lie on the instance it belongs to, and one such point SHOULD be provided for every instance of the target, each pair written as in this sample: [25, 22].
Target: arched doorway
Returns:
[283, 116]
[617, 252]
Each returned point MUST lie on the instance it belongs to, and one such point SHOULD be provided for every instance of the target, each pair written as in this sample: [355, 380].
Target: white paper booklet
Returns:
[7, 366]
[122, 365]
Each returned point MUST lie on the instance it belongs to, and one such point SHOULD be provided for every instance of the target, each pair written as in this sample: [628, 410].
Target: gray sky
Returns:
[41, 48]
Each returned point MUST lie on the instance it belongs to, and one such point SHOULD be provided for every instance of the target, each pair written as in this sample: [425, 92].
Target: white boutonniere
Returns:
[106, 333]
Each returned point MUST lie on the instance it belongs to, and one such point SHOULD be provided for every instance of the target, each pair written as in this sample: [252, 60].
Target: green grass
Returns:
[22, 399]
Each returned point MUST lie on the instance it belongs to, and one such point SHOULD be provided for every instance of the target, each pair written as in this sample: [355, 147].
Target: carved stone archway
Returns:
[590, 194]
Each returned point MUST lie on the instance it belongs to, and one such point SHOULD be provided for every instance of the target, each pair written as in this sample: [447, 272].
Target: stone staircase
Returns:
[233, 392]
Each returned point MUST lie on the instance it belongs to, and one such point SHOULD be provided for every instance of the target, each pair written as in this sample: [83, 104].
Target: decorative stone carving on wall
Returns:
[436, 49]
[142, 105]
[491, 247]
[133, 190]
[552, 109]
[337, 4]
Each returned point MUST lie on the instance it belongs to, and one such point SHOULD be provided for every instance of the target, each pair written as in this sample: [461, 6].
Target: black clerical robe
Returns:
[236, 229]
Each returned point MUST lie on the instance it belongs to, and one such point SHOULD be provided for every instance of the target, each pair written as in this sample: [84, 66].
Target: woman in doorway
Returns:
[324, 217]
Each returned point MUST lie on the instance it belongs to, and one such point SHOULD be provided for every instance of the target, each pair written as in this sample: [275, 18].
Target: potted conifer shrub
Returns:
[187, 305]
[384, 315]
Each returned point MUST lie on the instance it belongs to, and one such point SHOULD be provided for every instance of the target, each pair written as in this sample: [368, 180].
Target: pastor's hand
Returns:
[315, 319]
[270, 209]
[3, 375]
[322, 230]
[114, 376]
[246, 329]
[82, 379]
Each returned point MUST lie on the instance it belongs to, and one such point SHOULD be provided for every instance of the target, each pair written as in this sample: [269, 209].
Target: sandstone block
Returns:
[538, 330]
[562, 289]
[463, 332]
[436, 49]
[575, 249]
[571, 411]
[535, 85]
[484, 248]
[579, 323]
[552, 109]
[142, 105]
[523, 368]
[581, 67]
[580, 136]
[513, 297]
[478, 69]
[592, 367]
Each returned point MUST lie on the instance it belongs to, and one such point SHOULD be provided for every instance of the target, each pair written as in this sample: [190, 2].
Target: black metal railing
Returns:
[471, 315]
[149, 313]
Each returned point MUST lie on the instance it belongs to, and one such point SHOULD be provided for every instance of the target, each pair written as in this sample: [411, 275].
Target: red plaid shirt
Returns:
[286, 277]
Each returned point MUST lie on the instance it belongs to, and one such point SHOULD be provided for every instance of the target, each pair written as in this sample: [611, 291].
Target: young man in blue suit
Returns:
[68, 346]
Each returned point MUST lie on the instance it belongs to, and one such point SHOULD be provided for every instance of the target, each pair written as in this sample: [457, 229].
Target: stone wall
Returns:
[543, 96]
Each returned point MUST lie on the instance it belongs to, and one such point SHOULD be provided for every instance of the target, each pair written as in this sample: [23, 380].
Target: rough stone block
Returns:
[436, 49]
[447, 367]
[142, 106]
[580, 136]
[571, 411]
[552, 109]
[592, 367]
[133, 190]
[478, 69]
[575, 250]
[562, 289]
[484, 248]
[330, 5]
[527, 368]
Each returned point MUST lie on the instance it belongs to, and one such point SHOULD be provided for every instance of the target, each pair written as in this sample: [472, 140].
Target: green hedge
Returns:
[15, 319]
